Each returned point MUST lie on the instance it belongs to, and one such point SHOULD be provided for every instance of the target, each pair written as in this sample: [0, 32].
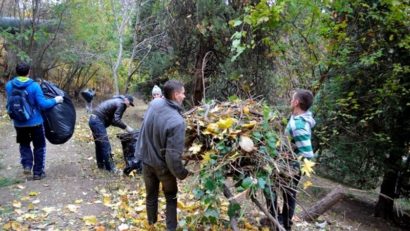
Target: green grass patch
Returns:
[4, 182]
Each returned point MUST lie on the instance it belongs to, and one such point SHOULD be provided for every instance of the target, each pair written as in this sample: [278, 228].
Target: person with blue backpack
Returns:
[25, 100]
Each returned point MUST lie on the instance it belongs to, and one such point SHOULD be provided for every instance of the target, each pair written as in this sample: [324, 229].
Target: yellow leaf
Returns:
[246, 110]
[307, 184]
[195, 148]
[226, 123]
[33, 194]
[106, 199]
[90, 220]
[246, 144]
[249, 125]
[207, 157]
[212, 128]
[16, 204]
[307, 167]
[79, 201]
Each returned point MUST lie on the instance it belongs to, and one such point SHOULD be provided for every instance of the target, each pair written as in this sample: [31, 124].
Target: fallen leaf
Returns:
[307, 167]
[195, 148]
[16, 204]
[307, 184]
[72, 208]
[246, 144]
[90, 220]
[33, 194]
[123, 227]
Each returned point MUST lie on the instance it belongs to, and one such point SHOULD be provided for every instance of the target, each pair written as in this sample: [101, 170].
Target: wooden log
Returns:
[324, 204]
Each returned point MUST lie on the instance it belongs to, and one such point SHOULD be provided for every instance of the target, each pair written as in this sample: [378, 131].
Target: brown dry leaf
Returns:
[99, 228]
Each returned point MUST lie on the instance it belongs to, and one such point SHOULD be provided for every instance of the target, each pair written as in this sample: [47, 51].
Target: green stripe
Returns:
[302, 138]
[305, 149]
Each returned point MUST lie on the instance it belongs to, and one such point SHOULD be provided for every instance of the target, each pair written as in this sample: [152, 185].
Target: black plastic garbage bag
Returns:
[128, 142]
[87, 95]
[59, 121]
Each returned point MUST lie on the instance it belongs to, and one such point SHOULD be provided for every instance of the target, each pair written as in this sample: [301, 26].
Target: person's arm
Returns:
[116, 120]
[174, 150]
[41, 100]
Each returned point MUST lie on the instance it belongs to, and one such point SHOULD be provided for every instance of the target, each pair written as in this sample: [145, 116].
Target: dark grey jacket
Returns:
[161, 140]
[110, 112]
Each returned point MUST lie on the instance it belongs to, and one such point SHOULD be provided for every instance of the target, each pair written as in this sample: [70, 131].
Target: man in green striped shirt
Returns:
[299, 131]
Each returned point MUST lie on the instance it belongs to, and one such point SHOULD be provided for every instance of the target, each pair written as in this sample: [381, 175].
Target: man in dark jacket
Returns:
[31, 130]
[160, 147]
[108, 113]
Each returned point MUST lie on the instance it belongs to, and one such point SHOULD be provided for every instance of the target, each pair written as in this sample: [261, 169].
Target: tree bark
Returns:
[385, 204]
[324, 204]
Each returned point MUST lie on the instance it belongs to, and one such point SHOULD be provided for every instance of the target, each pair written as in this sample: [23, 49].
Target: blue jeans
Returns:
[102, 144]
[33, 159]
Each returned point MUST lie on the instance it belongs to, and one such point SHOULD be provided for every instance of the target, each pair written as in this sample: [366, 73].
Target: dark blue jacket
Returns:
[36, 98]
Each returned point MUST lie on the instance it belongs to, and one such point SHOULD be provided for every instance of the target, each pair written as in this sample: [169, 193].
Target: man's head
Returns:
[156, 92]
[174, 90]
[129, 100]
[301, 99]
[22, 69]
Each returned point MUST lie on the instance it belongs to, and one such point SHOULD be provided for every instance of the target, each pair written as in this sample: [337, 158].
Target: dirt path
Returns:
[73, 187]
[76, 195]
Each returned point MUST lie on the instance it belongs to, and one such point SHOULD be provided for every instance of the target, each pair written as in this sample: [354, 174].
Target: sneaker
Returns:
[39, 177]
[27, 170]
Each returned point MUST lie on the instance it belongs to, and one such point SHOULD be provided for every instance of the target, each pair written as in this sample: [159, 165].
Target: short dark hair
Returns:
[22, 69]
[170, 87]
[305, 98]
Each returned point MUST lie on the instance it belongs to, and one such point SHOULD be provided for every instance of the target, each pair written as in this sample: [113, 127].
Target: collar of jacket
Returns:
[174, 105]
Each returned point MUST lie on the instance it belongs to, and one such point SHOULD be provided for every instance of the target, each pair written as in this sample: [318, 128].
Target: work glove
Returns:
[129, 129]
[59, 99]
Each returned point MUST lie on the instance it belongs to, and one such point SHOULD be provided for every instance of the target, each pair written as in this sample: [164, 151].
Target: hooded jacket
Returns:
[111, 111]
[162, 136]
[299, 129]
[35, 97]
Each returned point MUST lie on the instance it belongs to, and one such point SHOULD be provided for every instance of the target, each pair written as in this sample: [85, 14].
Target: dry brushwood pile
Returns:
[244, 141]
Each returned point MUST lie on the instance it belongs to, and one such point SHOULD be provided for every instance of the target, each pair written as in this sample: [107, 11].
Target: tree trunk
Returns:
[198, 78]
[384, 206]
[324, 204]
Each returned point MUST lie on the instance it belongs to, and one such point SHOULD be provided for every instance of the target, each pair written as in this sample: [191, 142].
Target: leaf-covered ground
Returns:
[75, 195]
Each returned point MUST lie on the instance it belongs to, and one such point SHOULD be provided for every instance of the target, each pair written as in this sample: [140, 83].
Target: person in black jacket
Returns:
[108, 113]
[160, 146]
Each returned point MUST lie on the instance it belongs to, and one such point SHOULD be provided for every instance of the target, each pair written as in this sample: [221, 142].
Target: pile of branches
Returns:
[241, 140]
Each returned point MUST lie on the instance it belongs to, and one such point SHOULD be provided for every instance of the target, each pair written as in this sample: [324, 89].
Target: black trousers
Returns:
[289, 201]
[152, 178]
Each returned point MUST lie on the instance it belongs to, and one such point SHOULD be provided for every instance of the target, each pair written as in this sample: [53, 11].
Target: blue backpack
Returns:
[18, 105]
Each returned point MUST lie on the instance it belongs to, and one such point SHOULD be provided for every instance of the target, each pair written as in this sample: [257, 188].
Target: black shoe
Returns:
[27, 171]
[39, 177]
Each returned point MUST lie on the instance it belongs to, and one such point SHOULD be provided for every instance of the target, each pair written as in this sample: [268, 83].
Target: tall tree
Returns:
[364, 105]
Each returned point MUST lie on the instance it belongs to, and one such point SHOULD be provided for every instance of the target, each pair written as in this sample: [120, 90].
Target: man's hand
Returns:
[59, 99]
[129, 129]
